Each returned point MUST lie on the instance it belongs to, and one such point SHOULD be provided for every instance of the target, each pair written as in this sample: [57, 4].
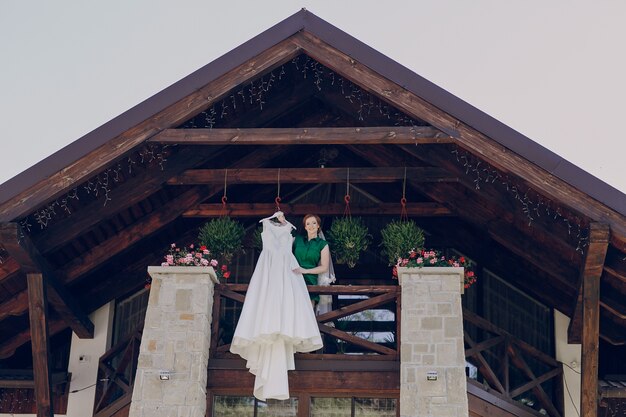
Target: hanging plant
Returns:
[348, 237]
[222, 237]
[399, 238]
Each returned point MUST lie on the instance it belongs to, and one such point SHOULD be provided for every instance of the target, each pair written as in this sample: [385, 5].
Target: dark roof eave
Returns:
[378, 62]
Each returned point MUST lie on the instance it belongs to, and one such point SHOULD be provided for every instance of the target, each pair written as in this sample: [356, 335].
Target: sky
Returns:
[552, 70]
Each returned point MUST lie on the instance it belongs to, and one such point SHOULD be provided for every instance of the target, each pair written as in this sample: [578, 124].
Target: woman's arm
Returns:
[322, 267]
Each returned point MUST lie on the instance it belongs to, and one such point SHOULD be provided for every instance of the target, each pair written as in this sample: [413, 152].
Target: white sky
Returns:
[553, 70]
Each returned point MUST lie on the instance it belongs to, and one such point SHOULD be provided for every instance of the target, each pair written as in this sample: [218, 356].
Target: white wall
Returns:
[570, 355]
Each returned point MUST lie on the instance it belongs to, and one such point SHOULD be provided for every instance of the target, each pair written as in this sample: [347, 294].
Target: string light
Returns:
[532, 204]
[97, 187]
[258, 92]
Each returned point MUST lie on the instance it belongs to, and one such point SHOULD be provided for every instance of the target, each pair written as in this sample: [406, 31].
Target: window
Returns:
[129, 315]
[231, 406]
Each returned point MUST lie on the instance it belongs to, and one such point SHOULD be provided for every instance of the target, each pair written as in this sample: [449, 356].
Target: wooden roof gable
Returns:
[494, 180]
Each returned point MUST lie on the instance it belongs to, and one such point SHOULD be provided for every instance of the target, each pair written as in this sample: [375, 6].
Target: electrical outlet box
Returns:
[432, 375]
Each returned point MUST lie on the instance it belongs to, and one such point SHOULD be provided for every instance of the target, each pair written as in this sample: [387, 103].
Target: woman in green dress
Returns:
[311, 252]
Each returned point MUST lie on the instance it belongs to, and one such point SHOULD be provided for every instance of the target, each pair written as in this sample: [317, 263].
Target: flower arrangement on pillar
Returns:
[423, 258]
[193, 255]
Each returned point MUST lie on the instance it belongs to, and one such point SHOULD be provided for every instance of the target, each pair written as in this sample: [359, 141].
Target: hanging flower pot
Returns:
[222, 237]
[400, 238]
[348, 237]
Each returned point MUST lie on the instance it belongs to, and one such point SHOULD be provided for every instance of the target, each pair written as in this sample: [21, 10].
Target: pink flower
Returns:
[456, 264]
[213, 262]
[173, 245]
[191, 246]
[204, 262]
[164, 264]
[205, 251]
[419, 260]
[198, 255]
[433, 260]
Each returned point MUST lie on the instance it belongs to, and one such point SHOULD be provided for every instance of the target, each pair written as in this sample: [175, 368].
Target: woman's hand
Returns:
[300, 271]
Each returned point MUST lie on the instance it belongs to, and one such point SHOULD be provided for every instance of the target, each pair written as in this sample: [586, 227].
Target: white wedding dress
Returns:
[277, 319]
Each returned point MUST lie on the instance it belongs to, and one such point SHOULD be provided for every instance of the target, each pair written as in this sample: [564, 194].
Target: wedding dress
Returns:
[277, 319]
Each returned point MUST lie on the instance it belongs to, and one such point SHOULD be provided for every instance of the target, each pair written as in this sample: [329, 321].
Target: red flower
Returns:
[394, 272]
[226, 274]
[224, 267]
[412, 255]
[202, 248]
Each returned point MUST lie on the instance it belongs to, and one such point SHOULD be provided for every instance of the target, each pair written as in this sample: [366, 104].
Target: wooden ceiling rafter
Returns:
[466, 208]
[493, 192]
[310, 175]
[469, 139]
[335, 209]
[127, 194]
[21, 248]
[304, 136]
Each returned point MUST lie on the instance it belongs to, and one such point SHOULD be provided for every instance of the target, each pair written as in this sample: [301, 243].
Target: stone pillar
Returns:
[432, 367]
[176, 338]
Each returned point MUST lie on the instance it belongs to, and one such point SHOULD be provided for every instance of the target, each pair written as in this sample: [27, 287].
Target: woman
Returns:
[311, 252]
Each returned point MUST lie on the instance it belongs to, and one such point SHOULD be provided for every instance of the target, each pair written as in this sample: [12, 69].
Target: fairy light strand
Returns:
[98, 187]
[532, 206]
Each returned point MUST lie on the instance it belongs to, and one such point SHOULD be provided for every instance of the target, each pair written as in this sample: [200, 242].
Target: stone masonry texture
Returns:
[176, 338]
[432, 342]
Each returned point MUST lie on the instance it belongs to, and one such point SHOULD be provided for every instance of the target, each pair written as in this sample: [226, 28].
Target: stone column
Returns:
[432, 367]
[176, 338]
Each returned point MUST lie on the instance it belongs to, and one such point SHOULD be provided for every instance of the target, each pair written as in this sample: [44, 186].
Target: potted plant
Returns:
[348, 237]
[399, 238]
[222, 237]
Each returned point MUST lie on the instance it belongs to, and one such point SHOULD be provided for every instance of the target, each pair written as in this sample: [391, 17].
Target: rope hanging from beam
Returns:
[224, 197]
[403, 214]
[277, 199]
[346, 198]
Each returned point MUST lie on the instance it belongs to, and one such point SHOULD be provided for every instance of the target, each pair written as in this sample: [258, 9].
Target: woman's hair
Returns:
[319, 221]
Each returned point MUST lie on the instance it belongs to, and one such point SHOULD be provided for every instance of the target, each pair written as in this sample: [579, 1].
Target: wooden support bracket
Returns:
[21, 248]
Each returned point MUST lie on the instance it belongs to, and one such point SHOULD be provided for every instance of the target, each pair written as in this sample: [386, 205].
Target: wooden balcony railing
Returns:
[349, 329]
[116, 377]
[510, 368]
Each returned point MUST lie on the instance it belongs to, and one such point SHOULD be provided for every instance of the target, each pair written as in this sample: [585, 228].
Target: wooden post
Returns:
[38, 314]
[594, 259]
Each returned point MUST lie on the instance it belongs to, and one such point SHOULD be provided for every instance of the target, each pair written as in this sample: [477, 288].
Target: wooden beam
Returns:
[471, 207]
[132, 191]
[592, 268]
[38, 313]
[383, 383]
[468, 138]
[21, 248]
[158, 219]
[310, 175]
[260, 209]
[304, 136]
[599, 235]
[200, 99]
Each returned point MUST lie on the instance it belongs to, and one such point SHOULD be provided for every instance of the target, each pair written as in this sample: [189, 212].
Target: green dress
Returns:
[308, 254]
